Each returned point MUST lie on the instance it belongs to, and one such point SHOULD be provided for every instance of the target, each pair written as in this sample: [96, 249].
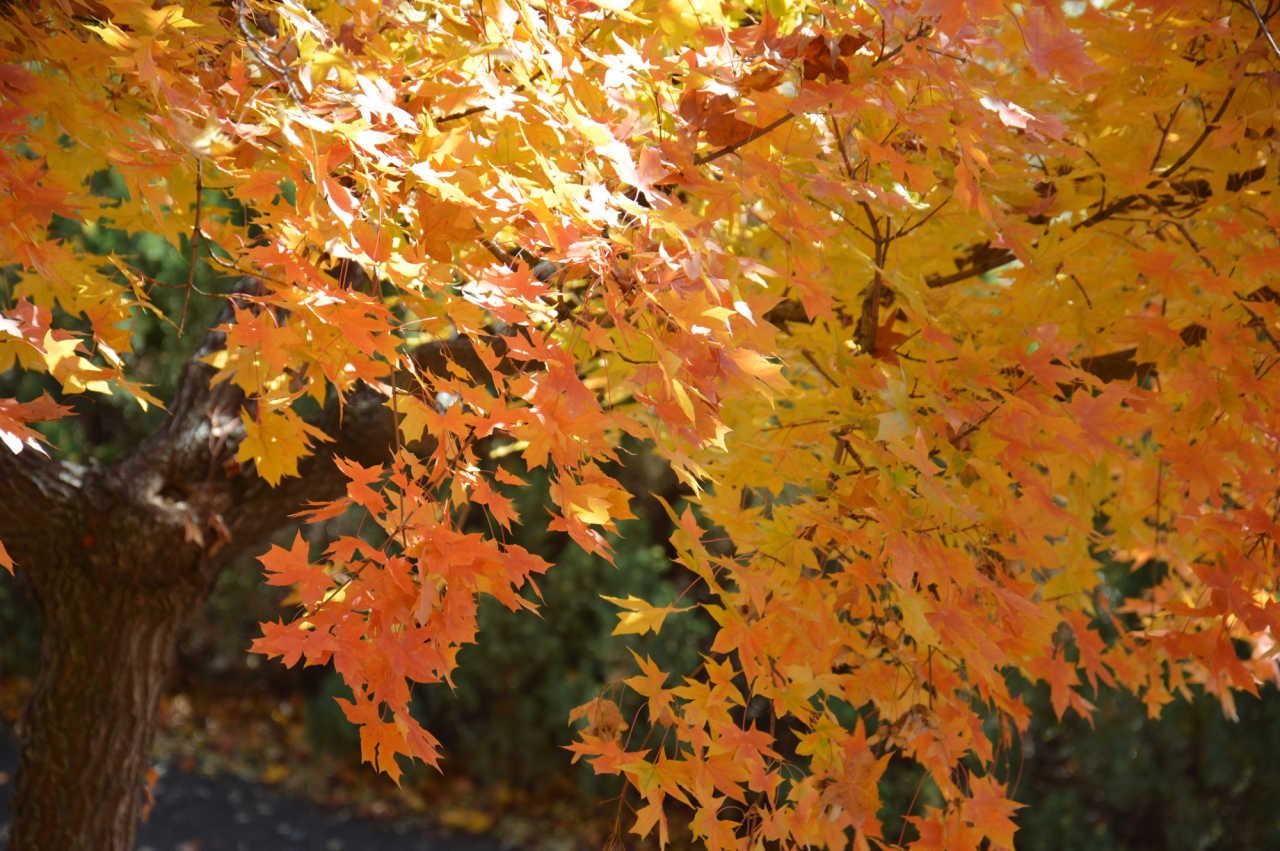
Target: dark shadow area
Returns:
[193, 812]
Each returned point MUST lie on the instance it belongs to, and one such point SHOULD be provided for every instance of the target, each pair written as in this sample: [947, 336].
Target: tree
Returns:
[928, 303]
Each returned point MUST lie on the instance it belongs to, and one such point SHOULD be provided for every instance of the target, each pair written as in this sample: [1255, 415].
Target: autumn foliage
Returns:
[930, 305]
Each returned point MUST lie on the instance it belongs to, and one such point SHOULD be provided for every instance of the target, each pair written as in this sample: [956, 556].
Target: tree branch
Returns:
[746, 140]
[34, 489]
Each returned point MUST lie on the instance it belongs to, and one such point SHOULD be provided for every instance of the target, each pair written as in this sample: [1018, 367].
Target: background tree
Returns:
[926, 303]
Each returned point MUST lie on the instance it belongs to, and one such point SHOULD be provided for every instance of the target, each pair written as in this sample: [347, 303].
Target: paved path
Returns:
[197, 813]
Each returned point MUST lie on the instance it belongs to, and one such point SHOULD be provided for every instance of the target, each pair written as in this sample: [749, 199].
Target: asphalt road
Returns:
[222, 813]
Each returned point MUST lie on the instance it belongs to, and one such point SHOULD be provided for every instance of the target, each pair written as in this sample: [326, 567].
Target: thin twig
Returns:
[476, 110]
[258, 48]
[1262, 25]
[750, 137]
[814, 363]
[980, 421]
[869, 321]
[1001, 258]
[1164, 133]
[1195, 246]
[836, 211]
[197, 239]
[905, 229]
[778, 122]
[844, 153]
[1208, 129]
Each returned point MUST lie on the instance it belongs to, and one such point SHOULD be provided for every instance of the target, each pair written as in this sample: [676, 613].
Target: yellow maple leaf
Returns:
[76, 374]
[275, 442]
[642, 617]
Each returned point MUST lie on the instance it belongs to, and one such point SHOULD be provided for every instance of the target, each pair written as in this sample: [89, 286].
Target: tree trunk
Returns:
[118, 558]
[106, 656]
[115, 574]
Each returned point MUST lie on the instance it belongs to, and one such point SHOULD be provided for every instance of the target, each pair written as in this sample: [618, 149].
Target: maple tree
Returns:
[927, 303]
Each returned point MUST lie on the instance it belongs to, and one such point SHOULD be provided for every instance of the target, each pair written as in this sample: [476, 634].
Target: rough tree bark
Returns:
[114, 596]
[118, 557]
